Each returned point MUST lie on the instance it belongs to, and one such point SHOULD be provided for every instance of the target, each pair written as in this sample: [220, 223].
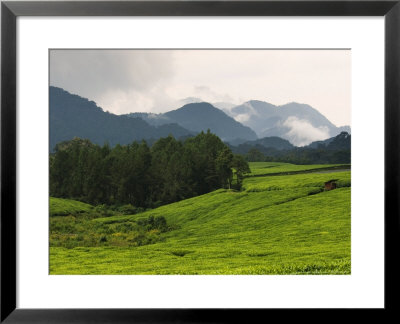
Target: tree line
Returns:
[300, 156]
[143, 176]
[335, 150]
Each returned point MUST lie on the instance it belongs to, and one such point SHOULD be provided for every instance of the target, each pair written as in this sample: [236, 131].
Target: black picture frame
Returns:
[10, 10]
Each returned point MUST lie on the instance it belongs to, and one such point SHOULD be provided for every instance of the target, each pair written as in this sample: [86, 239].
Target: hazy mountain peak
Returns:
[201, 105]
[259, 104]
[224, 106]
[202, 116]
[299, 123]
[73, 116]
[341, 141]
[189, 100]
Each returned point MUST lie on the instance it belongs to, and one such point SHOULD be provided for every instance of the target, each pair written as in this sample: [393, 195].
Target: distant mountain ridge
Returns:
[73, 116]
[151, 118]
[333, 150]
[339, 142]
[280, 127]
[266, 145]
[299, 123]
[271, 142]
[202, 116]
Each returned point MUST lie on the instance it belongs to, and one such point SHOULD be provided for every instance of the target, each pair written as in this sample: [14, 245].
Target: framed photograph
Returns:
[197, 161]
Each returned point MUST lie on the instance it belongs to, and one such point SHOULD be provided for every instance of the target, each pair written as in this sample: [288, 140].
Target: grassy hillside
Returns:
[284, 183]
[277, 225]
[62, 207]
[267, 168]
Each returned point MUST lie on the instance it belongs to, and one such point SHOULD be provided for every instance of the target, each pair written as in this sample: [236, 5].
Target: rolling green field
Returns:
[63, 207]
[268, 168]
[282, 224]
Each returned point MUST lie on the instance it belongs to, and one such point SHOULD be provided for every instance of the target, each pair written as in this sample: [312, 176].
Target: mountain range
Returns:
[73, 116]
[299, 123]
[202, 116]
[254, 123]
[339, 142]
[276, 146]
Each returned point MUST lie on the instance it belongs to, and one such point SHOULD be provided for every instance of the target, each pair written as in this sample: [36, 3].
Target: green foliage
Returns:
[84, 231]
[138, 176]
[128, 209]
[103, 211]
[62, 207]
[224, 167]
[274, 168]
[241, 168]
[283, 224]
[274, 149]
[254, 155]
[306, 180]
[154, 223]
[297, 155]
[72, 115]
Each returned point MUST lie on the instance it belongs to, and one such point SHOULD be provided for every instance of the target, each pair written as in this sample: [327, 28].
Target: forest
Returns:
[143, 176]
[333, 150]
[299, 155]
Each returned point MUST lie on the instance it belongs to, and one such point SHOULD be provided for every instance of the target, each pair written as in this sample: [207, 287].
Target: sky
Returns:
[124, 81]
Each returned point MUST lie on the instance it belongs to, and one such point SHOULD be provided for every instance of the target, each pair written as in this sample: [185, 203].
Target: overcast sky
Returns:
[123, 81]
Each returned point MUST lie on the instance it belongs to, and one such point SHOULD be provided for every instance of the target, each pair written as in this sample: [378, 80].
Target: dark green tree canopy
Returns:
[140, 175]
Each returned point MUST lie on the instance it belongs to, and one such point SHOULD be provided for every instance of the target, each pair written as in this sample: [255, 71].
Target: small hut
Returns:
[330, 185]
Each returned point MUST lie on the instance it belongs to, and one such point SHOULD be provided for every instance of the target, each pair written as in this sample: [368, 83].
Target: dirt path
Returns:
[331, 171]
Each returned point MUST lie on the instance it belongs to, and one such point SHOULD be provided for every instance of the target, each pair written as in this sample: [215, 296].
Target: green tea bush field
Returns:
[62, 207]
[80, 229]
[284, 224]
[268, 168]
[282, 182]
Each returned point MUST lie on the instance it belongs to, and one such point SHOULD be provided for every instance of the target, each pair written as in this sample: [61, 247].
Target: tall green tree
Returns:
[223, 164]
[136, 174]
[240, 169]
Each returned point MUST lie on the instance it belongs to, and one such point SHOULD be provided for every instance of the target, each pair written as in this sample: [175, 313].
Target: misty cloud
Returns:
[119, 80]
[188, 100]
[303, 133]
[123, 81]
[209, 95]
[242, 118]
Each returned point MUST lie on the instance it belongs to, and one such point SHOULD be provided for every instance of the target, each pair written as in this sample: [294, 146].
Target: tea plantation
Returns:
[278, 224]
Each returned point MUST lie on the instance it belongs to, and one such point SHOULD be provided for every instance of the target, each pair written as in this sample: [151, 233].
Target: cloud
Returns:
[209, 95]
[122, 80]
[242, 118]
[251, 110]
[303, 133]
[188, 100]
